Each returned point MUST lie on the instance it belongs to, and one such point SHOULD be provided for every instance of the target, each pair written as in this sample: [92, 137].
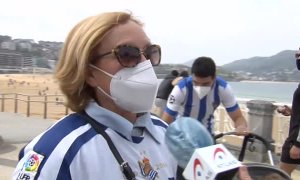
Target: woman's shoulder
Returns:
[62, 134]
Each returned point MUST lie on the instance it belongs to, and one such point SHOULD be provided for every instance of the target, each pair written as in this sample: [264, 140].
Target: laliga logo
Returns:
[32, 163]
[198, 169]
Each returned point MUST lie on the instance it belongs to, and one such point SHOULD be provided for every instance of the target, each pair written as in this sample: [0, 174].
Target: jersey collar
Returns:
[120, 124]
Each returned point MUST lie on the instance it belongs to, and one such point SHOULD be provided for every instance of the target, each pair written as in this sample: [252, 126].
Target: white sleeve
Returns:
[227, 97]
[176, 98]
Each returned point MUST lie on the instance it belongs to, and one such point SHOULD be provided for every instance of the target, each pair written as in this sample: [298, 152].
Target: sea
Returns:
[277, 92]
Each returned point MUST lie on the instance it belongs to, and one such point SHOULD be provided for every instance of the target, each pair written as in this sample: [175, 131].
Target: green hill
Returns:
[279, 67]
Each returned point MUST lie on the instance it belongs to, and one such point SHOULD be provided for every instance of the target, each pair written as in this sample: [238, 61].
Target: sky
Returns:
[225, 30]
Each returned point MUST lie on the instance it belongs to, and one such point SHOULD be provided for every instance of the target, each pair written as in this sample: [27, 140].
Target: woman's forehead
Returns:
[129, 33]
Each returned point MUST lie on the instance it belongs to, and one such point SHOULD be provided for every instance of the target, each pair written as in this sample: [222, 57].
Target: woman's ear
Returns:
[90, 78]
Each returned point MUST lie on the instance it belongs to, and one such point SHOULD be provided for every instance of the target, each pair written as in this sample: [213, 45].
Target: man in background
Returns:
[200, 94]
[290, 154]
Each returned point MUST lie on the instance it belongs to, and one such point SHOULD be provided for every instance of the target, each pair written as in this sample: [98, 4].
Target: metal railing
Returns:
[46, 106]
[280, 126]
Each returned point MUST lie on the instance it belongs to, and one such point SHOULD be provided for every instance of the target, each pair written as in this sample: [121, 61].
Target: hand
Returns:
[295, 152]
[241, 131]
[284, 110]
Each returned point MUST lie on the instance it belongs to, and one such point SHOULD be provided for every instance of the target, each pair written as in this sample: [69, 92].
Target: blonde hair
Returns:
[78, 51]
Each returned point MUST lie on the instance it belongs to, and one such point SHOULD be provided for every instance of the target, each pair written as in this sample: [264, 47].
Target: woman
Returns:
[105, 71]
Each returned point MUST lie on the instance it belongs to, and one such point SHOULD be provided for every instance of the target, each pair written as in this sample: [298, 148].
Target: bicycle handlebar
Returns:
[250, 135]
[224, 134]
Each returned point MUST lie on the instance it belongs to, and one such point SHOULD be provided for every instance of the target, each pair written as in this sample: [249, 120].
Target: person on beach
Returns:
[200, 94]
[164, 89]
[290, 153]
[106, 73]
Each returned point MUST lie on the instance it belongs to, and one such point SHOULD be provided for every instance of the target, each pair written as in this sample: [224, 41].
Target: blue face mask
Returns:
[298, 64]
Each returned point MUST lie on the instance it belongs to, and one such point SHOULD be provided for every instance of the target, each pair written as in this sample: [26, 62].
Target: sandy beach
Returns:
[31, 84]
[18, 90]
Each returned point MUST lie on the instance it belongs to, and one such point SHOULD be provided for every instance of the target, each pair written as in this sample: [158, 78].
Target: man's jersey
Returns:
[72, 149]
[185, 101]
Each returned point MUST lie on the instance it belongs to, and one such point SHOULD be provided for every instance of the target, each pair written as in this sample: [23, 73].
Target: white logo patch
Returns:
[30, 166]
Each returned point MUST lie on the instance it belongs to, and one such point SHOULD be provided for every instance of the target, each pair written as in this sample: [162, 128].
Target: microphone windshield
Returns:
[185, 135]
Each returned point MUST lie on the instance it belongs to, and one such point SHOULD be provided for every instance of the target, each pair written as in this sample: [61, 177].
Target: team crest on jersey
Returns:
[171, 99]
[30, 166]
[147, 170]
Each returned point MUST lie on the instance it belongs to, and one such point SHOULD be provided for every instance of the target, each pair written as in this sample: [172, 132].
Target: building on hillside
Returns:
[9, 45]
[24, 46]
[27, 62]
[52, 63]
[30, 41]
[11, 61]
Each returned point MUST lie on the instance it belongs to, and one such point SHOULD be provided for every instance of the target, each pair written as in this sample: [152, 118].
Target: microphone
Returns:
[193, 147]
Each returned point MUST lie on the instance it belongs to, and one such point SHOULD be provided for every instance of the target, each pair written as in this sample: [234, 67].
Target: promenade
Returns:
[16, 131]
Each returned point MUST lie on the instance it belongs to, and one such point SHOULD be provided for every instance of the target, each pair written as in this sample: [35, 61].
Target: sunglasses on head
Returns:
[130, 56]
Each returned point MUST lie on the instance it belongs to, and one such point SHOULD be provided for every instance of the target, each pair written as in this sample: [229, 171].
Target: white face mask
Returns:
[201, 90]
[133, 89]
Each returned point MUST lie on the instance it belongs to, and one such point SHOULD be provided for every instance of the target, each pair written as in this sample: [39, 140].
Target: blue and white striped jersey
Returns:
[72, 149]
[184, 100]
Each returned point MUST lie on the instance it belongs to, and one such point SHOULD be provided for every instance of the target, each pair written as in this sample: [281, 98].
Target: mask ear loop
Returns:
[101, 90]
[108, 74]
[98, 87]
